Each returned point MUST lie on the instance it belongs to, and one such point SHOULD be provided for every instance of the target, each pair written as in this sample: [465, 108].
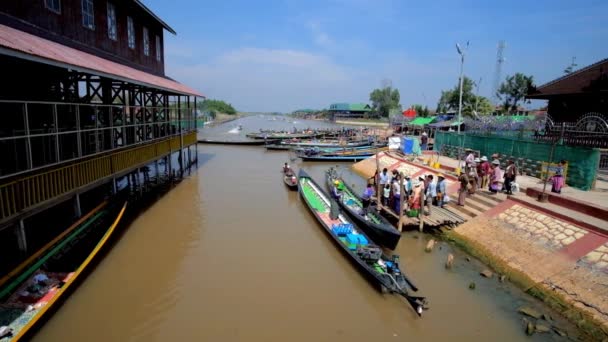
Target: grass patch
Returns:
[589, 326]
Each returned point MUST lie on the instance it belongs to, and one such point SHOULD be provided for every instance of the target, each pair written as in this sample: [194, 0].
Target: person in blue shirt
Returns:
[441, 190]
[336, 191]
[366, 198]
[431, 192]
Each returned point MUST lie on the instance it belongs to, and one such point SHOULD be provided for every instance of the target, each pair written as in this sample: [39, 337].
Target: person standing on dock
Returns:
[366, 198]
[510, 175]
[464, 187]
[396, 195]
[441, 190]
[384, 178]
[431, 193]
[495, 177]
[484, 172]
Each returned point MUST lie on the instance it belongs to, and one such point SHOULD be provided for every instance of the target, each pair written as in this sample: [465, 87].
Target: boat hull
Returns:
[384, 233]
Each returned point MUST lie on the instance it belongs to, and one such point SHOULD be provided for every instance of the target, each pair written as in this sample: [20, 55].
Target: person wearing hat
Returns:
[430, 193]
[424, 141]
[415, 201]
[469, 160]
[441, 190]
[407, 184]
[484, 172]
[510, 175]
[473, 176]
[336, 190]
[495, 177]
[463, 179]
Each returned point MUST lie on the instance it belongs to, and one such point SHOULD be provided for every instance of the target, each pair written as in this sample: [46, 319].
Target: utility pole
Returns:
[461, 52]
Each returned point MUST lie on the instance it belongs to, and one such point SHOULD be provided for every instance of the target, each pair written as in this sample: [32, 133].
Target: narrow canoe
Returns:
[27, 297]
[322, 157]
[291, 181]
[376, 226]
[232, 142]
[382, 270]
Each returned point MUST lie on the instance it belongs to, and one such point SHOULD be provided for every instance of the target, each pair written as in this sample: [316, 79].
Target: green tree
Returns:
[483, 106]
[449, 99]
[217, 106]
[513, 90]
[421, 111]
[384, 99]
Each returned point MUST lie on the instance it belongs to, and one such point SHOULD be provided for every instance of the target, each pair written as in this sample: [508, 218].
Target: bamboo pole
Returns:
[401, 198]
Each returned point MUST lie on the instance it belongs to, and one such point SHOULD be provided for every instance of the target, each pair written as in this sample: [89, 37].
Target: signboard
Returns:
[551, 169]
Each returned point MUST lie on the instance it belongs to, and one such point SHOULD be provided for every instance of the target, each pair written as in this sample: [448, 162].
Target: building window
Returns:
[158, 49]
[146, 42]
[53, 5]
[131, 32]
[88, 18]
[112, 28]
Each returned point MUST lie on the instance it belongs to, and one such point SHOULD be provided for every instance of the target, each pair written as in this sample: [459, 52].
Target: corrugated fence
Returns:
[529, 155]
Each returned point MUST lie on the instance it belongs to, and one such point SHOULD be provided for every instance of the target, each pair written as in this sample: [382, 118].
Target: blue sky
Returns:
[284, 55]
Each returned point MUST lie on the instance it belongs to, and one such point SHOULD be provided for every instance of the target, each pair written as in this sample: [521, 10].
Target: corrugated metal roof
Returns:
[421, 121]
[359, 107]
[160, 21]
[578, 81]
[25, 45]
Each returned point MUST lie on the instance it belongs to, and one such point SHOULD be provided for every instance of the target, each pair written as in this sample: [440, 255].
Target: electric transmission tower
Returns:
[500, 59]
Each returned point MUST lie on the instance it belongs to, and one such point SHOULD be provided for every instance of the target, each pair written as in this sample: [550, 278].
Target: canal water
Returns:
[231, 255]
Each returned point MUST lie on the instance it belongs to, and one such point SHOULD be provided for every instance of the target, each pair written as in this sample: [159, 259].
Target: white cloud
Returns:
[320, 37]
[256, 79]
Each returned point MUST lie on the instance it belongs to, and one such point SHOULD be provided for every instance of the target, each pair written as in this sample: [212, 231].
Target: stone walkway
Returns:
[544, 230]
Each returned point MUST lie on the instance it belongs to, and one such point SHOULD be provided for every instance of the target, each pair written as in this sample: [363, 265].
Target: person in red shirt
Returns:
[484, 172]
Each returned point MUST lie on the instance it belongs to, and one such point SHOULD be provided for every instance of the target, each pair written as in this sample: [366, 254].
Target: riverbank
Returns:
[553, 258]
[221, 118]
[367, 123]
[572, 289]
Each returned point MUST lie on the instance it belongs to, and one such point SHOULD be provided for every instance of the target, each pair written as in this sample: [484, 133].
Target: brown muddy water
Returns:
[231, 255]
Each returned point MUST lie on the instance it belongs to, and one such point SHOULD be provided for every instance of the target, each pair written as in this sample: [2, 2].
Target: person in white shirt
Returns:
[431, 192]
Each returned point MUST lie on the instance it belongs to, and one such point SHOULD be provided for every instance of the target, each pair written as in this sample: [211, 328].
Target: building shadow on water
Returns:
[203, 158]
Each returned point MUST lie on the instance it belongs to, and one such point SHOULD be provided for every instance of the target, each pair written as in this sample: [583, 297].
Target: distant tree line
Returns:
[216, 106]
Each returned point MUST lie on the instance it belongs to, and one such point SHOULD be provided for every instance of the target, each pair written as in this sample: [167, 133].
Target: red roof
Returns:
[49, 52]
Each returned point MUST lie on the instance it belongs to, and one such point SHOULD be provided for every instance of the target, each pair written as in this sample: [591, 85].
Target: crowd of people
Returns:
[420, 193]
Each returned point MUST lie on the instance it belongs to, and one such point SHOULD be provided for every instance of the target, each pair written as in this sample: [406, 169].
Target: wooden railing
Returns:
[26, 192]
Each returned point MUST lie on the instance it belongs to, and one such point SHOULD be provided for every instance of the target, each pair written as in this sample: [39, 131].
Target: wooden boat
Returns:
[376, 226]
[40, 282]
[336, 158]
[291, 181]
[232, 142]
[323, 144]
[382, 270]
[281, 136]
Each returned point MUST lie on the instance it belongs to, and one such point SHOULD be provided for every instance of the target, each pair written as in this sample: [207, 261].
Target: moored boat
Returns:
[381, 269]
[40, 282]
[290, 179]
[374, 224]
[232, 142]
[331, 157]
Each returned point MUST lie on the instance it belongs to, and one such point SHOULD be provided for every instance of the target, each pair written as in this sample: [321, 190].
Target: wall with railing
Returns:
[39, 134]
[29, 191]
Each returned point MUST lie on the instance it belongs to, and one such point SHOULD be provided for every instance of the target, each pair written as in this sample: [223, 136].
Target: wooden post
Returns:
[421, 211]
[402, 195]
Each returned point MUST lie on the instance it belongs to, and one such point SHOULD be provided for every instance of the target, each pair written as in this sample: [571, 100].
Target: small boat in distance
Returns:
[382, 270]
